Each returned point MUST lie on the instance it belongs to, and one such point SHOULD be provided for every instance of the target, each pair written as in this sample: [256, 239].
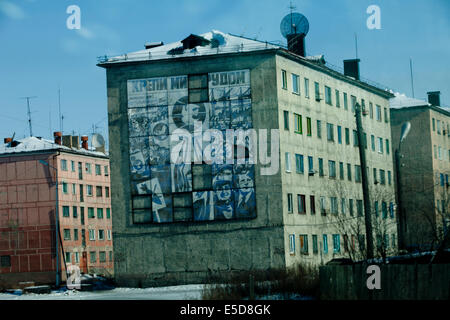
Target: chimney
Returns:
[7, 140]
[152, 45]
[434, 98]
[84, 143]
[351, 68]
[58, 137]
[296, 43]
[67, 141]
[76, 142]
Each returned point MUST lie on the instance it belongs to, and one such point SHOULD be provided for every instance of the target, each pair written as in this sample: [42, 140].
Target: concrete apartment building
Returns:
[28, 204]
[424, 170]
[308, 211]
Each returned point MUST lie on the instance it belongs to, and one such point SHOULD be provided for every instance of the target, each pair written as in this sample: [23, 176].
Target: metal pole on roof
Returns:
[29, 113]
[412, 79]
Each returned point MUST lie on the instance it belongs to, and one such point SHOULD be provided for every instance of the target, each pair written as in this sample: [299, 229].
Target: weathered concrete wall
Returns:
[187, 252]
[398, 282]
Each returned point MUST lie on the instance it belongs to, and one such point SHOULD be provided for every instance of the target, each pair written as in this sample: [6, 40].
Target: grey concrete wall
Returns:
[398, 282]
[187, 252]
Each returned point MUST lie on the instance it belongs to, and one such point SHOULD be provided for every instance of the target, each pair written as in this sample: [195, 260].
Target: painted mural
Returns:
[189, 191]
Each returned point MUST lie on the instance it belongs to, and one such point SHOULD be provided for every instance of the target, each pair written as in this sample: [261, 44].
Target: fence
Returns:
[398, 282]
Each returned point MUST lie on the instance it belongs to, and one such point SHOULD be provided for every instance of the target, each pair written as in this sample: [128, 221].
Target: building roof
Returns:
[34, 144]
[402, 101]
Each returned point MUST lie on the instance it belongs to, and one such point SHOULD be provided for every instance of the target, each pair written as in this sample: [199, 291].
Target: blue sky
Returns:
[39, 54]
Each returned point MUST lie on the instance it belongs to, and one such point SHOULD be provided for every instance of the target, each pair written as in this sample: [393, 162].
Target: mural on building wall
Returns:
[184, 191]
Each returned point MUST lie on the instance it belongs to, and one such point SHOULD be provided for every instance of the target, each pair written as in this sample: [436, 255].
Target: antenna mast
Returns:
[29, 113]
[412, 79]
[356, 45]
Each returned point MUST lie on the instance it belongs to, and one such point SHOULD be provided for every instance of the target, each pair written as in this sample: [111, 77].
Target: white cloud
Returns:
[11, 10]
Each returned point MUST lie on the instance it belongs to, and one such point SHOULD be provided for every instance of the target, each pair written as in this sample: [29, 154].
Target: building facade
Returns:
[424, 169]
[290, 196]
[28, 205]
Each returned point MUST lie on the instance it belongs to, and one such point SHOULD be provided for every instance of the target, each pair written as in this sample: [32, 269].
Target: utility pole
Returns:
[29, 113]
[365, 182]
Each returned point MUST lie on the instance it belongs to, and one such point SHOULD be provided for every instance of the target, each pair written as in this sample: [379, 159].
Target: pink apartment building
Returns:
[30, 169]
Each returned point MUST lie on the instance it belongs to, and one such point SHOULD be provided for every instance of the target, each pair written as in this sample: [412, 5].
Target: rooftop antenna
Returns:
[294, 27]
[29, 113]
[61, 117]
[412, 79]
[356, 45]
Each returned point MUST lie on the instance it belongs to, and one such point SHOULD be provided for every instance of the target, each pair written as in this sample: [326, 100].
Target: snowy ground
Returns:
[187, 292]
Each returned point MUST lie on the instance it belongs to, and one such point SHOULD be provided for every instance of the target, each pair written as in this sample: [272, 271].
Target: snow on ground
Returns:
[186, 292]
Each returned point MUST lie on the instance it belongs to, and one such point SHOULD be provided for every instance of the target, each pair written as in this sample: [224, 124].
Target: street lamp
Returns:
[56, 223]
[406, 127]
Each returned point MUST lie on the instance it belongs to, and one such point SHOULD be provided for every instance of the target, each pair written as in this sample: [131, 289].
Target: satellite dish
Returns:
[294, 23]
[97, 140]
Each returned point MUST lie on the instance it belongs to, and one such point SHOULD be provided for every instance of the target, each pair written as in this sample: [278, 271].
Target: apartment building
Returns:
[30, 170]
[308, 210]
[424, 166]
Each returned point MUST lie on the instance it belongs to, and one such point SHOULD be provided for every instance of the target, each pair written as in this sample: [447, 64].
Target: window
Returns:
[389, 178]
[339, 133]
[66, 233]
[332, 168]
[101, 234]
[310, 165]
[98, 170]
[380, 145]
[321, 173]
[327, 95]
[377, 209]
[357, 173]
[108, 213]
[292, 244]
[355, 138]
[435, 151]
[306, 88]
[283, 79]
[91, 213]
[64, 188]
[75, 234]
[330, 132]
[308, 127]
[91, 234]
[347, 136]
[108, 234]
[391, 210]
[440, 153]
[304, 244]
[338, 99]
[75, 212]
[363, 106]
[74, 188]
[102, 256]
[317, 91]
[88, 168]
[382, 177]
[353, 102]
[100, 213]
[384, 209]
[319, 129]
[107, 192]
[349, 172]
[110, 256]
[287, 157]
[99, 191]
[386, 119]
[375, 181]
[289, 197]
[438, 126]
[341, 170]
[350, 207]
[378, 113]
[434, 124]
[299, 167]
[323, 204]
[334, 205]
[63, 165]
[315, 244]
[298, 124]
[77, 257]
[72, 166]
[372, 142]
[336, 243]
[105, 169]
[365, 140]
[346, 247]
[371, 110]
[345, 101]
[359, 208]
[286, 120]
[198, 88]
[68, 257]
[89, 190]
[93, 256]
[301, 203]
[343, 206]
[312, 204]
[66, 211]
[295, 84]
[325, 243]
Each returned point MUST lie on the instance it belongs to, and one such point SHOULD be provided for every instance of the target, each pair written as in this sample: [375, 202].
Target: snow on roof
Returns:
[402, 101]
[33, 144]
[220, 43]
